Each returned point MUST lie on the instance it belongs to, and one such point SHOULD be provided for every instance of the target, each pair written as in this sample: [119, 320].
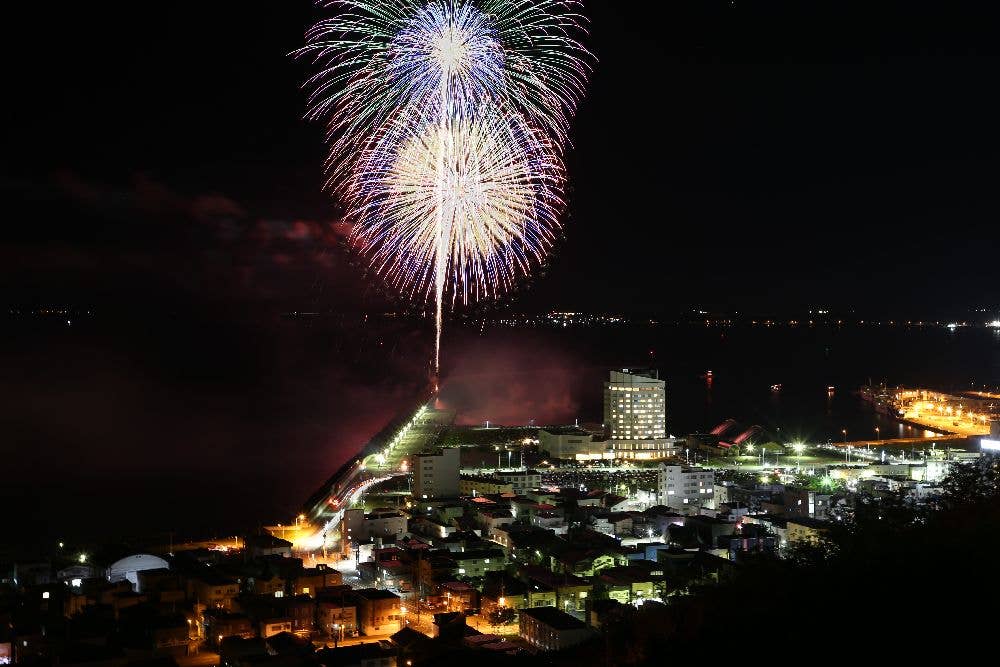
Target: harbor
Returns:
[960, 414]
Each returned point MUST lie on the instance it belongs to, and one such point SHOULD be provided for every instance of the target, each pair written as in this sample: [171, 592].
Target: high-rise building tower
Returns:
[635, 415]
[635, 405]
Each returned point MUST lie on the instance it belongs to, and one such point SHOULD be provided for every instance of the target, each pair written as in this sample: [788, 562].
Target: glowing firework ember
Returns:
[446, 123]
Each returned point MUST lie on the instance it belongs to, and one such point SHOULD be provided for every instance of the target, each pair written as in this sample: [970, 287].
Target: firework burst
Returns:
[496, 196]
[447, 120]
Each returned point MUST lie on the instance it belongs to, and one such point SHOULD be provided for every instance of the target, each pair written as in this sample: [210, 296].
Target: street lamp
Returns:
[799, 448]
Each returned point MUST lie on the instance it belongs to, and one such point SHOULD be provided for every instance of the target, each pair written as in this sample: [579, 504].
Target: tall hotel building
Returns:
[635, 415]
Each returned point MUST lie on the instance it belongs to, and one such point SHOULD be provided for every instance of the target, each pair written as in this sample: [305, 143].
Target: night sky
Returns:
[733, 155]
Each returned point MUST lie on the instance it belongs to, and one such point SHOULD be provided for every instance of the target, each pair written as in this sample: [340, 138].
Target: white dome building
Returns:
[129, 567]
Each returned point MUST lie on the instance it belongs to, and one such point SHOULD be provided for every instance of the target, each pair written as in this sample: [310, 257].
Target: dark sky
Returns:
[738, 155]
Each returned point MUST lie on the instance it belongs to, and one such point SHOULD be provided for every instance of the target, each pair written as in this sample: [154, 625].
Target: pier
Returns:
[384, 456]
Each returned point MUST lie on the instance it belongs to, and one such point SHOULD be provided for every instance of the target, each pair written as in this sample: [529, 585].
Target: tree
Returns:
[502, 616]
[972, 482]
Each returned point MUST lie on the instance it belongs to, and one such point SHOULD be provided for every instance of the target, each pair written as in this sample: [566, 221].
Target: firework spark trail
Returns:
[484, 194]
[446, 123]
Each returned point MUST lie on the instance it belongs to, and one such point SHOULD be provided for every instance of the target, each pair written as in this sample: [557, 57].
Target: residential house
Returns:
[571, 592]
[552, 629]
[258, 546]
[213, 591]
[309, 581]
[474, 564]
[478, 485]
[220, 624]
[634, 583]
[336, 612]
[378, 610]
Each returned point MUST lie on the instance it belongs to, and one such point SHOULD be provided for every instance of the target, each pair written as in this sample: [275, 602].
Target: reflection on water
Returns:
[799, 383]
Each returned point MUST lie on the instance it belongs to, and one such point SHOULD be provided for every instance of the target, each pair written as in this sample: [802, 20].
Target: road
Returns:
[417, 433]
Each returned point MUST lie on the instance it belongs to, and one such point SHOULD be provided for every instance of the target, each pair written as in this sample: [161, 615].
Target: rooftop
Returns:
[486, 479]
[554, 618]
[375, 594]
[407, 637]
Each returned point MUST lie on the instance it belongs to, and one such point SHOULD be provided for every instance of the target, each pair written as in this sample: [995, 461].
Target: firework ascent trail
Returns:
[447, 120]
